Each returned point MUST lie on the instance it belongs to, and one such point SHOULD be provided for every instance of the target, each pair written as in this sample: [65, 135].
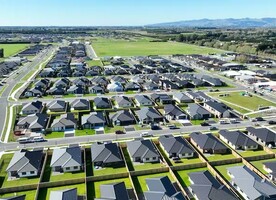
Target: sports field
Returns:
[143, 47]
[12, 49]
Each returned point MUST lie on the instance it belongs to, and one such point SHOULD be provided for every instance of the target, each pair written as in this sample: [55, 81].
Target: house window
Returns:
[76, 167]
[153, 158]
[32, 172]
[67, 168]
[24, 173]
[147, 158]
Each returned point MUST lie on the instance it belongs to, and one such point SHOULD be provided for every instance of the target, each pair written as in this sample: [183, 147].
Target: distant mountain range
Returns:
[217, 23]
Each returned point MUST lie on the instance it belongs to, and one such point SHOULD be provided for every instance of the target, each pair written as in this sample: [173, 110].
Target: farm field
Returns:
[238, 99]
[109, 47]
[11, 49]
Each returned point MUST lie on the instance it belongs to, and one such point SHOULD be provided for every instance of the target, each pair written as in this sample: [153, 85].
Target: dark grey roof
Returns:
[220, 107]
[106, 153]
[148, 112]
[251, 184]
[238, 138]
[176, 145]
[206, 187]
[142, 148]
[121, 100]
[102, 102]
[122, 116]
[67, 119]
[80, 103]
[194, 109]
[93, 118]
[182, 97]
[143, 99]
[163, 97]
[68, 194]
[67, 157]
[25, 161]
[173, 110]
[32, 106]
[114, 191]
[57, 104]
[263, 133]
[271, 165]
[207, 141]
[161, 188]
[34, 121]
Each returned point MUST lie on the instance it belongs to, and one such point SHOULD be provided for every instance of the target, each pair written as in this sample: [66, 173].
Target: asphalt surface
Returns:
[90, 51]
[14, 79]
[128, 135]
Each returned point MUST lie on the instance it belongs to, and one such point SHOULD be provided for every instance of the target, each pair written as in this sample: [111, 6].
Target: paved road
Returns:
[90, 51]
[128, 135]
[13, 80]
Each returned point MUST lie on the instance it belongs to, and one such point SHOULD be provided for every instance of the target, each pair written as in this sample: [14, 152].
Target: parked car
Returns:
[24, 140]
[155, 127]
[38, 139]
[259, 119]
[271, 122]
[145, 134]
[172, 127]
[119, 132]
[204, 124]
[212, 128]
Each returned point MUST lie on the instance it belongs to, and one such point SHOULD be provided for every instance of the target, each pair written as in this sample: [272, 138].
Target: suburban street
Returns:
[128, 135]
[14, 79]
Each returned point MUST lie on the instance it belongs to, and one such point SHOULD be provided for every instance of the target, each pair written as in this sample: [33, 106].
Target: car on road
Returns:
[271, 122]
[172, 127]
[24, 140]
[204, 124]
[213, 128]
[119, 132]
[145, 134]
[38, 139]
[155, 127]
[259, 119]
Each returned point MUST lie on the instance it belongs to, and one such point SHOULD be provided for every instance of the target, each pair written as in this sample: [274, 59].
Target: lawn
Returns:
[99, 183]
[146, 166]
[252, 153]
[85, 132]
[237, 98]
[113, 129]
[197, 121]
[140, 181]
[183, 175]
[223, 169]
[259, 164]
[112, 47]
[216, 157]
[54, 135]
[94, 63]
[109, 170]
[237, 108]
[18, 85]
[4, 175]
[30, 194]
[140, 128]
[12, 49]
[45, 192]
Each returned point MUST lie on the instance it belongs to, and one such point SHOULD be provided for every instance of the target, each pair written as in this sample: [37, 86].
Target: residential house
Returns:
[123, 118]
[150, 86]
[114, 191]
[57, 106]
[162, 98]
[63, 82]
[93, 120]
[32, 107]
[115, 87]
[219, 110]
[25, 163]
[102, 103]
[147, 115]
[142, 151]
[35, 92]
[74, 89]
[196, 112]
[208, 143]
[270, 168]
[107, 154]
[161, 188]
[64, 122]
[132, 86]
[264, 136]
[250, 185]
[123, 102]
[238, 140]
[143, 100]
[205, 186]
[67, 194]
[176, 146]
[182, 98]
[96, 89]
[80, 104]
[67, 159]
[56, 91]
[34, 122]
[173, 112]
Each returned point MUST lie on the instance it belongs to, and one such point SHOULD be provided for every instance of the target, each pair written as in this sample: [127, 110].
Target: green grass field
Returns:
[30, 194]
[12, 49]
[109, 170]
[183, 176]
[94, 63]
[110, 47]
[259, 164]
[251, 103]
[252, 153]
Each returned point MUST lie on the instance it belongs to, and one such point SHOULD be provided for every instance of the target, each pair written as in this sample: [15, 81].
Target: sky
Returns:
[126, 12]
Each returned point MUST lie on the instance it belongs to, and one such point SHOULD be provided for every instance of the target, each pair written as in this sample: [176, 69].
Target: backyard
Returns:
[223, 169]
[183, 175]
